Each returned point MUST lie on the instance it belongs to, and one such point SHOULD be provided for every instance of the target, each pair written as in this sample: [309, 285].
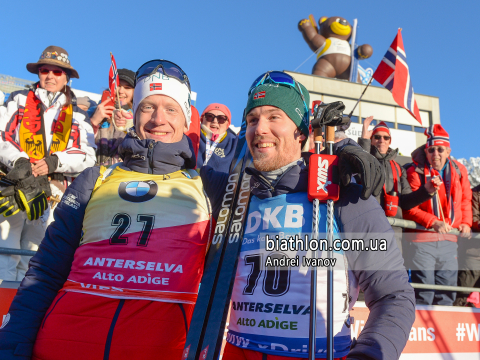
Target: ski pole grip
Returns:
[317, 134]
[330, 133]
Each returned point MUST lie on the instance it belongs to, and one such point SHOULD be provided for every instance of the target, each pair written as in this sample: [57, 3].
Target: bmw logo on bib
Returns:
[138, 191]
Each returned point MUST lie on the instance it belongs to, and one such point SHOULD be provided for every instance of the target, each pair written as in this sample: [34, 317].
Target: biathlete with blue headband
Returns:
[118, 272]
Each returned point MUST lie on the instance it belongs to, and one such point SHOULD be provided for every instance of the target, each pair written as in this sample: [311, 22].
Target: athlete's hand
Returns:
[367, 134]
[355, 160]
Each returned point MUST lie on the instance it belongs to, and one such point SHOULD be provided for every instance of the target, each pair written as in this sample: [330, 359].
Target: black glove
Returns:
[8, 205]
[30, 197]
[52, 163]
[21, 170]
[328, 114]
[353, 159]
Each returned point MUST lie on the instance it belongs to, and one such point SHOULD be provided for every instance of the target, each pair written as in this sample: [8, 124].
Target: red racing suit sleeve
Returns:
[48, 270]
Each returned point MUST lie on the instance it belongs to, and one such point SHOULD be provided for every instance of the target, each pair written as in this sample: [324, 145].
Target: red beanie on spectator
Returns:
[437, 136]
[220, 107]
[381, 126]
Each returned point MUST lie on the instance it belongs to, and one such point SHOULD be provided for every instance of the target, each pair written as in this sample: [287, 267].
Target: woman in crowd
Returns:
[44, 137]
[216, 139]
[109, 135]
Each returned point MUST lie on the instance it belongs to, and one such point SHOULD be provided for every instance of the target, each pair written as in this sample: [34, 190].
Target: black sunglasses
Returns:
[432, 149]
[385, 137]
[220, 118]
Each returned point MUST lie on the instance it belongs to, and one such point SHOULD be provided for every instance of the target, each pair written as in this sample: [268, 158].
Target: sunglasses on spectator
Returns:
[164, 67]
[385, 137]
[432, 149]
[220, 118]
[44, 71]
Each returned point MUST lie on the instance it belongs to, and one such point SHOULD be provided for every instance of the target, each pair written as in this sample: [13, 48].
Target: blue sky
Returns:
[224, 45]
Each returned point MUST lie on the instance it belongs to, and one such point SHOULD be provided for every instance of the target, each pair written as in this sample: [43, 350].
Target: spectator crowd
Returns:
[55, 146]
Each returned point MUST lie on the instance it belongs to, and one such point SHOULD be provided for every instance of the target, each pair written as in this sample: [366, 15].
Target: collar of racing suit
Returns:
[293, 179]
[155, 157]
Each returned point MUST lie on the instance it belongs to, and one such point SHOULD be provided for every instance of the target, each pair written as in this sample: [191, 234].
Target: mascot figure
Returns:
[331, 45]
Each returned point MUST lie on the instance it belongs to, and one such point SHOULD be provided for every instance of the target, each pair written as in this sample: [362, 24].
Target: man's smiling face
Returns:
[272, 137]
[160, 118]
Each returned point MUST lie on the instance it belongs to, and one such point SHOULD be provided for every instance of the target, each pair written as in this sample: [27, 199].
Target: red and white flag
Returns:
[113, 78]
[393, 74]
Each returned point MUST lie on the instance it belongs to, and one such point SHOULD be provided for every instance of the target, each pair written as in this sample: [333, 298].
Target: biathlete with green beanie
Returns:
[270, 304]
[118, 272]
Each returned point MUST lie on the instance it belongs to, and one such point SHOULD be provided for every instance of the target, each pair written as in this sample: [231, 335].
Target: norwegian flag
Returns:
[113, 78]
[393, 74]
[259, 95]
[155, 86]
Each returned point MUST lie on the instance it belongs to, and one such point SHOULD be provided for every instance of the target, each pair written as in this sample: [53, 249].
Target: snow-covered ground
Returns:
[473, 168]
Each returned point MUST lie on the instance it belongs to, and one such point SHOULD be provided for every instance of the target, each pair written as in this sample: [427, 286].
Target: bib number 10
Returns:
[122, 221]
[276, 279]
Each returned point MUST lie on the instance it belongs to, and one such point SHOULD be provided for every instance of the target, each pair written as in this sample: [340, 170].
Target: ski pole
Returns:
[330, 136]
[318, 139]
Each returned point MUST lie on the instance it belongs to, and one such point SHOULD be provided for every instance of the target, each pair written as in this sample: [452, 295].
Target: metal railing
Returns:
[408, 224]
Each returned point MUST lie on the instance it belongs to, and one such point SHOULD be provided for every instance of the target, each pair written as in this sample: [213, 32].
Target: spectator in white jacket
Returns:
[45, 132]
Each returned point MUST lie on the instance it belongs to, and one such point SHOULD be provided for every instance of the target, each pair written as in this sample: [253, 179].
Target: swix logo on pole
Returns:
[322, 174]
[321, 184]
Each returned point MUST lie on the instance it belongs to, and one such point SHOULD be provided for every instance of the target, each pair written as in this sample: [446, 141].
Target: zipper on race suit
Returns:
[151, 145]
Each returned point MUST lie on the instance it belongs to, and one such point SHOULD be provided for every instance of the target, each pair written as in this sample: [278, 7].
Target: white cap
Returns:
[163, 85]
[2, 98]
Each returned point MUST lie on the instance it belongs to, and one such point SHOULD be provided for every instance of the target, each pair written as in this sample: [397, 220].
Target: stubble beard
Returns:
[264, 162]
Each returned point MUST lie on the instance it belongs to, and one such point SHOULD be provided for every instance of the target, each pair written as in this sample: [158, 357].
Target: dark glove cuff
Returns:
[52, 163]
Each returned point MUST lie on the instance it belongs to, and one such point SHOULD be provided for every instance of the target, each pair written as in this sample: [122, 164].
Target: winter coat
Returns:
[52, 264]
[422, 215]
[223, 153]
[80, 151]
[388, 294]
[407, 198]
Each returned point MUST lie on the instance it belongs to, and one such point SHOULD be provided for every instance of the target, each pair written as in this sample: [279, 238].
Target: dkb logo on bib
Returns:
[138, 191]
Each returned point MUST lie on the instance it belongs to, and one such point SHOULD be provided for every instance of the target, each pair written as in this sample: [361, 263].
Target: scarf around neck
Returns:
[443, 200]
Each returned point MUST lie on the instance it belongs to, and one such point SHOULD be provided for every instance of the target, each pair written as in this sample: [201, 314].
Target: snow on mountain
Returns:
[473, 168]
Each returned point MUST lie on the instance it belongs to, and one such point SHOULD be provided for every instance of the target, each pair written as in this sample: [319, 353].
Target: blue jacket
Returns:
[380, 274]
[51, 265]
[222, 157]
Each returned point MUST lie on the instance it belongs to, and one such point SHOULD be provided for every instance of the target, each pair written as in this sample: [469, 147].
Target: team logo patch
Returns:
[259, 95]
[138, 191]
[155, 86]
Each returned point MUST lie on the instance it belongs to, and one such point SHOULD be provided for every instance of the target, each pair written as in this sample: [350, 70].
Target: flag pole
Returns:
[116, 88]
[360, 98]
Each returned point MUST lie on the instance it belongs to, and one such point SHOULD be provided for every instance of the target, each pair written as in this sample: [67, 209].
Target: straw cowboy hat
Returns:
[54, 55]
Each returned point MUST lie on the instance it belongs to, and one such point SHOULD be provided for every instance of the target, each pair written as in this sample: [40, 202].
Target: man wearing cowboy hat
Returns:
[43, 136]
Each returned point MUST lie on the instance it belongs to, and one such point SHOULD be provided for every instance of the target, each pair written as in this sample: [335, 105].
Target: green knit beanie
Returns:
[285, 98]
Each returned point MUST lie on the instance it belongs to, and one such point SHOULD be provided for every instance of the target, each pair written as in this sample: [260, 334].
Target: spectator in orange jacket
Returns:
[434, 254]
